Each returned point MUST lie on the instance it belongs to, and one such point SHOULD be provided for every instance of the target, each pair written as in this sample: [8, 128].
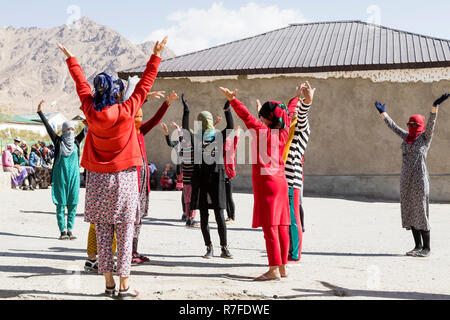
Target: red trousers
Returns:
[277, 244]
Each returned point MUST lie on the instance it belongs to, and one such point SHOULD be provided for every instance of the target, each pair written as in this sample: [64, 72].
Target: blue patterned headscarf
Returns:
[103, 84]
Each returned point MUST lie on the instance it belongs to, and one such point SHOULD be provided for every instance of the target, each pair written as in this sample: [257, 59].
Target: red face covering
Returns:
[414, 132]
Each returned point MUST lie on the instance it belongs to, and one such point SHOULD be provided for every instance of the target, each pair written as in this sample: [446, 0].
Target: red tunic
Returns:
[270, 188]
[111, 142]
[146, 128]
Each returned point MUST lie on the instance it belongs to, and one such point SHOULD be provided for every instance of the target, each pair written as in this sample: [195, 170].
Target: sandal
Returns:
[144, 258]
[265, 278]
[125, 295]
[110, 291]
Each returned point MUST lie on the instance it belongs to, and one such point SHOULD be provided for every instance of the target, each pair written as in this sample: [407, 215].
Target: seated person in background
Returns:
[43, 175]
[18, 174]
[24, 148]
[19, 160]
[45, 155]
[153, 176]
[168, 178]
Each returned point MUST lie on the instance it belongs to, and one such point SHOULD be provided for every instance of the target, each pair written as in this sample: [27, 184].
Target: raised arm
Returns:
[390, 123]
[433, 116]
[82, 86]
[241, 110]
[186, 111]
[228, 116]
[137, 99]
[52, 134]
[153, 122]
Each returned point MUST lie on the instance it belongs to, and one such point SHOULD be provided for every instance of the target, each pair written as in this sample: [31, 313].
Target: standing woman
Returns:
[208, 178]
[111, 157]
[143, 172]
[414, 179]
[270, 188]
[65, 173]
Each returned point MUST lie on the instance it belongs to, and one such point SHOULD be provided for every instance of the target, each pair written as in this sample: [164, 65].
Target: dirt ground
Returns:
[351, 250]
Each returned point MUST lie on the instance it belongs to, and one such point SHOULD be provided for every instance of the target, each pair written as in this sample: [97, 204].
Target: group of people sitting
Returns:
[29, 167]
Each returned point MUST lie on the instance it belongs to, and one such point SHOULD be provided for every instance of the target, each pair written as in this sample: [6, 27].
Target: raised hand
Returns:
[439, 101]
[172, 97]
[228, 94]
[173, 124]
[159, 46]
[65, 51]
[41, 104]
[308, 93]
[218, 119]
[238, 130]
[258, 106]
[380, 107]
[156, 95]
[164, 127]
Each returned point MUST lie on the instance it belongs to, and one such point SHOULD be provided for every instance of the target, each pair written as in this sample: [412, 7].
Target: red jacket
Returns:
[146, 128]
[111, 142]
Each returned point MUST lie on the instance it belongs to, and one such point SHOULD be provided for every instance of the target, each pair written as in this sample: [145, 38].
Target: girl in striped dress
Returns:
[293, 155]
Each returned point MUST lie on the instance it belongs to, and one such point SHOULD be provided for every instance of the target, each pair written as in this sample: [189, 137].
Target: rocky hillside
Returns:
[32, 67]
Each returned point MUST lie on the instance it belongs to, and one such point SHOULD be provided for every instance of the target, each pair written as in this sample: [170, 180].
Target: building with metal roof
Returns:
[312, 47]
[352, 64]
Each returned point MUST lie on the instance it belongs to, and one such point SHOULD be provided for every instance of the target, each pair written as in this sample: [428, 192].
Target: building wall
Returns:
[351, 151]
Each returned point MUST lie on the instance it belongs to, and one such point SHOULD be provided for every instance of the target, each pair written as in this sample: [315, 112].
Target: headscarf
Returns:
[118, 88]
[276, 112]
[414, 132]
[208, 129]
[10, 148]
[67, 140]
[132, 82]
[104, 85]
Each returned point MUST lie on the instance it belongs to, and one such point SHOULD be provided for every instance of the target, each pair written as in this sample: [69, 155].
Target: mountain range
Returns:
[32, 67]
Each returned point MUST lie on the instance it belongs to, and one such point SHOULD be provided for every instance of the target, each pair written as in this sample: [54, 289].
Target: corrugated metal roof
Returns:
[312, 47]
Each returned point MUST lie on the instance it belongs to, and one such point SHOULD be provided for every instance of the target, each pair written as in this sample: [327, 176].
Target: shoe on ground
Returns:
[91, 266]
[136, 258]
[183, 218]
[64, 236]
[226, 253]
[209, 252]
[127, 294]
[70, 235]
[230, 221]
[414, 252]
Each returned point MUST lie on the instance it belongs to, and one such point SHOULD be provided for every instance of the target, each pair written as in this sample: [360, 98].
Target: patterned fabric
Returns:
[294, 167]
[92, 242]
[144, 196]
[414, 178]
[105, 236]
[66, 180]
[111, 197]
[18, 176]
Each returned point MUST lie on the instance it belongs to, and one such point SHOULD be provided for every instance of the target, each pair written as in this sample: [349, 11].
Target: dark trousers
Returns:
[221, 226]
[230, 201]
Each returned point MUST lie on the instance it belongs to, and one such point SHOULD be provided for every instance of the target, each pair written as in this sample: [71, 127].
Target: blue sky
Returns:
[197, 24]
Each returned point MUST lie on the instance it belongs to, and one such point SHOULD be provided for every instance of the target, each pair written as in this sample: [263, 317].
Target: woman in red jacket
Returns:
[270, 189]
[111, 157]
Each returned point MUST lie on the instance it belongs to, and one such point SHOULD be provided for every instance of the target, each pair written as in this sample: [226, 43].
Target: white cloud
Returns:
[197, 29]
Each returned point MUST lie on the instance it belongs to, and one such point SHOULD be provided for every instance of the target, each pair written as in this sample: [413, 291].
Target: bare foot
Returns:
[271, 275]
[283, 271]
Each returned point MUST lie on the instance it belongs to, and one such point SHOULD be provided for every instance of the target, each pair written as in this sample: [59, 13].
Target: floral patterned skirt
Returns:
[111, 198]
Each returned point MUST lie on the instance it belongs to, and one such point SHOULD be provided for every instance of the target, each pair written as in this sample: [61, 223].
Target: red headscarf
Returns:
[414, 132]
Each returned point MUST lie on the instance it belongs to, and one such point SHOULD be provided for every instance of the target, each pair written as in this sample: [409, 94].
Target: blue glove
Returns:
[381, 107]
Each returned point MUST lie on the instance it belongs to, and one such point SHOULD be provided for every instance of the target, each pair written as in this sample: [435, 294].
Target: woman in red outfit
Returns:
[111, 157]
[270, 189]
[143, 172]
